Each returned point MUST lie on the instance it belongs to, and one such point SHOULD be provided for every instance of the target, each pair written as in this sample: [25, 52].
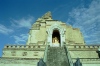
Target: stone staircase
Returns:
[56, 56]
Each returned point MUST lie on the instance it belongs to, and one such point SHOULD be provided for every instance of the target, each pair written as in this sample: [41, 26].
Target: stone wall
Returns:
[18, 62]
[22, 51]
[83, 51]
[73, 35]
[89, 61]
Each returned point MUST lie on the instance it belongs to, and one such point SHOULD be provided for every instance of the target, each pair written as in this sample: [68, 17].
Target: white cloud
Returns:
[5, 30]
[23, 22]
[21, 38]
[88, 20]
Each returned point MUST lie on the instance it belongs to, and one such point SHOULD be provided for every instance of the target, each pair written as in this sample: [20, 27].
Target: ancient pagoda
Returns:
[52, 43]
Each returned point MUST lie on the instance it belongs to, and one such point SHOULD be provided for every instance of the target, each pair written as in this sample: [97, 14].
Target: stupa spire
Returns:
[47, 15]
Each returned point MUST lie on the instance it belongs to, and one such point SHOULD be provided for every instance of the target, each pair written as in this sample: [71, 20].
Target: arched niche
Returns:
[56, 36]
[53, 30]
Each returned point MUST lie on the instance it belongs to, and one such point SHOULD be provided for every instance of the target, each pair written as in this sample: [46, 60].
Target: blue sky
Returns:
[17, 16]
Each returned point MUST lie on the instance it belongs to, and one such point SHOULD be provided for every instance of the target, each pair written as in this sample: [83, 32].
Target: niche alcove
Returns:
[56, 37]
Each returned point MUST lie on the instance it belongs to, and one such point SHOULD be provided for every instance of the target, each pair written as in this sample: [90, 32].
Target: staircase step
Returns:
[56, 56]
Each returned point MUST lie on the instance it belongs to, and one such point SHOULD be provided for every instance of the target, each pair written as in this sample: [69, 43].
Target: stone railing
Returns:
[84, 46]
[45, 53]
[68, 56]
[24, 46]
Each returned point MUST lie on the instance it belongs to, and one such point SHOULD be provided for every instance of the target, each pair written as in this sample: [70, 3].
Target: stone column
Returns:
[62, 37]
[61, 40]
[49, 39]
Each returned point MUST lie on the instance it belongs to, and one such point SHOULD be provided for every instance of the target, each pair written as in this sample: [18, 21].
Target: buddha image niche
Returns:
[55, 40]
